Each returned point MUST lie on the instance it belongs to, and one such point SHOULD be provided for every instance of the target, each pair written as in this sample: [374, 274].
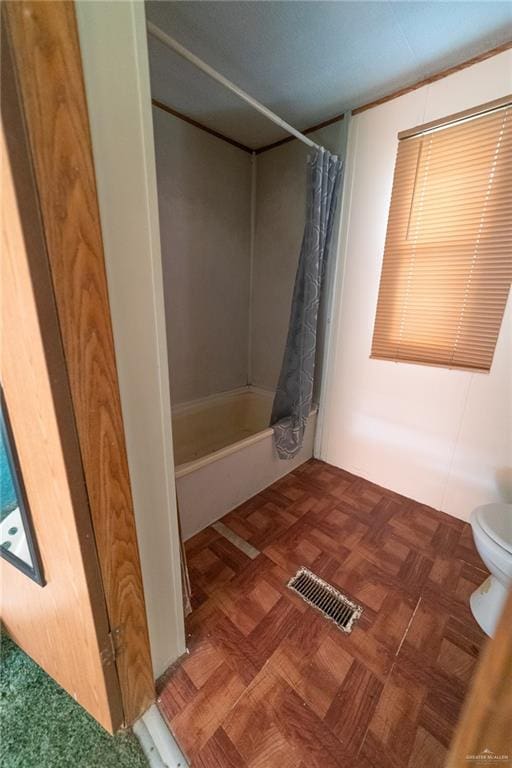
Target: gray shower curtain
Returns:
[294, 394]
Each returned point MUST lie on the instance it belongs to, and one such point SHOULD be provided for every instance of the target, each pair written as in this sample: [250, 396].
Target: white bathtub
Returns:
[224, 454]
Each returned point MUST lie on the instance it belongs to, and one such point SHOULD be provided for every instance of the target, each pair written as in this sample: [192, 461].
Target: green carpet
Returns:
[42, 727]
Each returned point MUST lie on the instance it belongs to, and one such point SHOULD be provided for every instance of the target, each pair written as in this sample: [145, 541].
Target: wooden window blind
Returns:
[447, 264]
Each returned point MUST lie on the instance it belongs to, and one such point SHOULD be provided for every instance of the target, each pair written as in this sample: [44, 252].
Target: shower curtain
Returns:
[294, 394]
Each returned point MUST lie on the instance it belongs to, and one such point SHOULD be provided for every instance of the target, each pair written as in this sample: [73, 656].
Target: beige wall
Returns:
[280, 208]
[443, 437]
[204, 188]
[227, 319]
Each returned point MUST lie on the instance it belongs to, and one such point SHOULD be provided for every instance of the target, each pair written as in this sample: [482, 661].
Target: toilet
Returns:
[492, 532]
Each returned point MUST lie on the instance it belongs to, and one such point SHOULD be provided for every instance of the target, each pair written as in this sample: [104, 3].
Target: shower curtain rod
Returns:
[170, 42]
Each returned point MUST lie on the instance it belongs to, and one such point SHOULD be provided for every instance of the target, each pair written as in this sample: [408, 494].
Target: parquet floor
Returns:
[269, 682]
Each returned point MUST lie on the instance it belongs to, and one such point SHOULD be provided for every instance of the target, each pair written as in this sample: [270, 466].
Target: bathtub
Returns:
[224, 453]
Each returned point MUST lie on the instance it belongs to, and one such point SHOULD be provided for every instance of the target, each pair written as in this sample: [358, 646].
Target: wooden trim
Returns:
[48, 65]
[337, 118]
[489, 106]
[433, 78]
[190, 121]
[312, 129]
[485, 721]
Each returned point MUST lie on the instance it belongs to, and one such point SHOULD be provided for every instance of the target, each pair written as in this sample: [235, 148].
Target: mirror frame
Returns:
[35, 572]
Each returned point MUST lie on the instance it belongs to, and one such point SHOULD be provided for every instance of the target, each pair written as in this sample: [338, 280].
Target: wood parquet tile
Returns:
[268, 682]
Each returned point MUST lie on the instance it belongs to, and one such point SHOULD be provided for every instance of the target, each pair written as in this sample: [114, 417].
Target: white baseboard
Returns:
[157, 741]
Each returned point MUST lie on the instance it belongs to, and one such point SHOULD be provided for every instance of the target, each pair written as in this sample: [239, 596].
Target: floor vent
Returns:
[326, 599]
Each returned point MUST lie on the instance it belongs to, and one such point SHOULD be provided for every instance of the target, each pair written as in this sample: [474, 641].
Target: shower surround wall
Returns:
[227, 319]
[204, 194]
[280, 208]
[231, 228]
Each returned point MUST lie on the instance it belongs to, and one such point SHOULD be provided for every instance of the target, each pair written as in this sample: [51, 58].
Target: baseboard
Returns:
[157, 742]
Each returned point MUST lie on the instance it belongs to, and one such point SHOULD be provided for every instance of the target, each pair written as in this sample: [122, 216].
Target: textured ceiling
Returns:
[309, 61]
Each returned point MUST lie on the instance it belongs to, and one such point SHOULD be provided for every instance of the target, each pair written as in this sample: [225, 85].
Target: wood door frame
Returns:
[485, 723]
[67, 612]
[48, 66]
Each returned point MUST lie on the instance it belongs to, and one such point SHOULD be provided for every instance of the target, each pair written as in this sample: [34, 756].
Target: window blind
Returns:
[447, 263]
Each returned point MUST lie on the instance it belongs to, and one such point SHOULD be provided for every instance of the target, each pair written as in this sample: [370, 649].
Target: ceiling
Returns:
[309, 61]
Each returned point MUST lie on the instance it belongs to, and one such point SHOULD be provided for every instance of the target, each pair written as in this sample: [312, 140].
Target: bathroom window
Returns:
[447, 264]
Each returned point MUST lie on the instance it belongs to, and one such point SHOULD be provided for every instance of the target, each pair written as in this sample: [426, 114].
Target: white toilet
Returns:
[492, 532]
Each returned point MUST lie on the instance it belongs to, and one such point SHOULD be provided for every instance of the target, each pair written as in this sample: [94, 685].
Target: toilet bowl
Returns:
[492, 532]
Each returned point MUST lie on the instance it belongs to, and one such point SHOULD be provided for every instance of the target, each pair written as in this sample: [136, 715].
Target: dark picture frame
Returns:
[36, 571]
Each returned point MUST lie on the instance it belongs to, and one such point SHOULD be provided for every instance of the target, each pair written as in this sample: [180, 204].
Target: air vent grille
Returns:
[326, 599]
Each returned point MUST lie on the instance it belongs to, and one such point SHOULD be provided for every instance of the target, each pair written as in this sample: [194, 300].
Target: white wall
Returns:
[204, 188]
[442, 437]
[114, 58]
[280, 208]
